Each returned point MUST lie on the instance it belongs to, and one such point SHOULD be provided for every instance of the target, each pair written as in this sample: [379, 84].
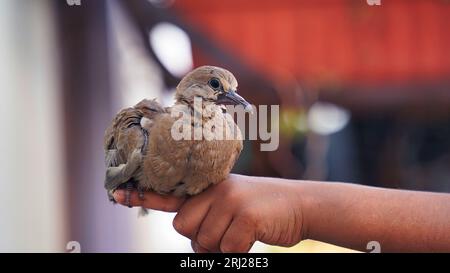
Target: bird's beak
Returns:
[233, 98]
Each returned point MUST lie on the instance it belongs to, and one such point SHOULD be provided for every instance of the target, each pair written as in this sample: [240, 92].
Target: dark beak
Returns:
[233, 98]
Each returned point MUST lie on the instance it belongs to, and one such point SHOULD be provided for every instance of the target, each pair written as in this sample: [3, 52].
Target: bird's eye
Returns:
[214, 83]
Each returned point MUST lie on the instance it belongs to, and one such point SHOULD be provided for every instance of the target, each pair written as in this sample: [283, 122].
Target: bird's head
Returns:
[212, 84]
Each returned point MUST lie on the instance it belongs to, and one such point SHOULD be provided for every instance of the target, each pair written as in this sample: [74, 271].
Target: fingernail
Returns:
[119, 196]
[194, 247]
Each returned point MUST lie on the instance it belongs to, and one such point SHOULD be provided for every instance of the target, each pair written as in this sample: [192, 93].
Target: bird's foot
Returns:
[141, 194]
[143, 211]
[128, 190]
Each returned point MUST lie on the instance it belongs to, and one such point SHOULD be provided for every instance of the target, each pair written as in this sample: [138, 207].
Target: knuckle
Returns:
[247, 218]
[231, 196]
[205, 240]
[231, 246]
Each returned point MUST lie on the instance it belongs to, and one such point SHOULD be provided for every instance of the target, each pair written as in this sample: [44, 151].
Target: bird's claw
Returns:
[128, 191]
[141, 194]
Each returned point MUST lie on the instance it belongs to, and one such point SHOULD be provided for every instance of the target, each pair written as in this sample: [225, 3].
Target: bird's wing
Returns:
[125, 134]
[125, 140]
[119, 130]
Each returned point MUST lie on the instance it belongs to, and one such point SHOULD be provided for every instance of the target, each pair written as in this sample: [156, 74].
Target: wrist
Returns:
[307, 201]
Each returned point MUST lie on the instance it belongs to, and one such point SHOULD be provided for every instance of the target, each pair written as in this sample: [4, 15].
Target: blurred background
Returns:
[364, 95]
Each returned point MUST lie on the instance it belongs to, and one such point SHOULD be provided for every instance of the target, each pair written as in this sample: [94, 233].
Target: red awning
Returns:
[339, 41]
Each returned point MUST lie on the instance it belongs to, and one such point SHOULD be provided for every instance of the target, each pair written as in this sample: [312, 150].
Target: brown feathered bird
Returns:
[142, 152]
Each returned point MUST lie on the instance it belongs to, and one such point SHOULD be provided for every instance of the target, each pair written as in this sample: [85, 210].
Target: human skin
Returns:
[232, 215]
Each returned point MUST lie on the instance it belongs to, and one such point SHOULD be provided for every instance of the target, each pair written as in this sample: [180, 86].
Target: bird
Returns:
[141, 152]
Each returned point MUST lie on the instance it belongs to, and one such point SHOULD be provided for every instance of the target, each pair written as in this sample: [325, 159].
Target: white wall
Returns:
[32, 203]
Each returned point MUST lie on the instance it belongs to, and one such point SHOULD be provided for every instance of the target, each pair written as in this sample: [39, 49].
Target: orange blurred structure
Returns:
[393, 55]
[334, 41]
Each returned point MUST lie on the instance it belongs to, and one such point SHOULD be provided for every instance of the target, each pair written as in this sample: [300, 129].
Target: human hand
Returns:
[232, 215]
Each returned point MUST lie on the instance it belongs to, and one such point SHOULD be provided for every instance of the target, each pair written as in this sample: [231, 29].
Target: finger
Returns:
[150, 200]
[197, 248]
[191, 214]
[239, 237]
[214, 227]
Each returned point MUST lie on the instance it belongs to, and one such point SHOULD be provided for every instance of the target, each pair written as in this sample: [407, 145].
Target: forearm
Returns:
[352, 215]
